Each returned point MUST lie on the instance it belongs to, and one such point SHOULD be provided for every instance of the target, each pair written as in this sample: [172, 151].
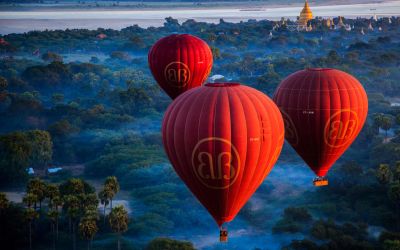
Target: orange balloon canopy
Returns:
[179, 63]
[223, 140]
[324, 110]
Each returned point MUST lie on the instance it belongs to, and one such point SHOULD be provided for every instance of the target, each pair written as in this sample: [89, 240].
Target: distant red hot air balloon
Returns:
[179, 63]
[223, 140]
[324, 110]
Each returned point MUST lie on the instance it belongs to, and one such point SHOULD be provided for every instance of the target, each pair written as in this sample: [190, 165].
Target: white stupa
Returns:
[370, 26]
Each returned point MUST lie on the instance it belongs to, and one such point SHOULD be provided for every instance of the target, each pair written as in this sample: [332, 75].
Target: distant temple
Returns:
[101, 36]
[340, 23]
[328, 23]
[305, 16]
[4, 42]
[370, 26]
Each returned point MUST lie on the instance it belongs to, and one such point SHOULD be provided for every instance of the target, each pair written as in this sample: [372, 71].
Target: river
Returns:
[38, 19]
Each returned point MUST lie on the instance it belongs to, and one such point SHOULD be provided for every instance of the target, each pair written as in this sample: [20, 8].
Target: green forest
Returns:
[85, 101]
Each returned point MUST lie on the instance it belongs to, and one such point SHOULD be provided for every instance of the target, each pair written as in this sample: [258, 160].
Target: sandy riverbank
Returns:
[133, 5]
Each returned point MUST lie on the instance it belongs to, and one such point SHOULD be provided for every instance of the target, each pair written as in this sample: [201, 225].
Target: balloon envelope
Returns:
[324, 110]
[179, 63]
[223, 140]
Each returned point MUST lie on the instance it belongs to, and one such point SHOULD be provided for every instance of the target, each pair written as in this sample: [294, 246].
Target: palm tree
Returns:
[384, 174]
[54, 204]
[72, 186]
[72, 206]
[30, 216]
[377, 121]
[387, 123]
[37, 187]
[91, 214]
[90, 201]
[53, 215]
[30, 199]
[118, 219]
[88, 227]
[4, 203]
[30, 213]
[111, 186]
[104, 199]
[52, 191]
[396, 171]
[109, 194]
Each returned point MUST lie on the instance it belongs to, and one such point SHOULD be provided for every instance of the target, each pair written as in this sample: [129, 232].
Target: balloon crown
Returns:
[222, 84]
[319, 69]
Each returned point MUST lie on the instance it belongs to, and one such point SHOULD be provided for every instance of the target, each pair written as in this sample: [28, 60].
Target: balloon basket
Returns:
[223, 235]
[320, 182]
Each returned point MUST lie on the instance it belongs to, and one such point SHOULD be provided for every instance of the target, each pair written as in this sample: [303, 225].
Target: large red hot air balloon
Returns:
[324, 110]
[179, 63]
[223, 140]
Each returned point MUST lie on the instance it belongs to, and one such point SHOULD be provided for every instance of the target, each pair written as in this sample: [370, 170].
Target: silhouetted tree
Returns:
[72, 206]
[53, 216]
[88, 226]
[384, 174]
[396, 172]
[4, 203]
[104, 196]
[30, 214]
[51, 57]
[118, 219]
[3, 83]
[37, 187]
[111, 188]
[15, 151]
[42, 147]
[387, 123]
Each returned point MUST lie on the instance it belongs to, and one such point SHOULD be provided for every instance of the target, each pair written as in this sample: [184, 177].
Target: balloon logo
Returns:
[338, 132]
[179, 63]
[290, 129]
[227, 165]
[177, 74]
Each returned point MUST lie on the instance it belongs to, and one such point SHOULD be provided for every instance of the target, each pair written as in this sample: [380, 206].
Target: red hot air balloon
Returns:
[179, 63]
[223, 140]
[324, 110]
